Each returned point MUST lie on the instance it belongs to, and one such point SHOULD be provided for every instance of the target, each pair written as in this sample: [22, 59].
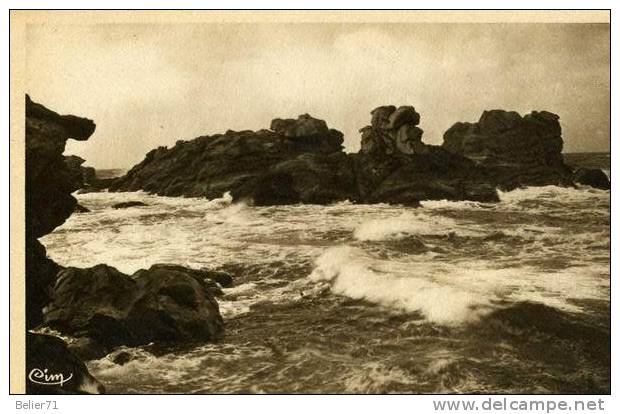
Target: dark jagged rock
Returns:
[84, 175]
[517, 151]
[594, 177]
[50, 180]
[395, 166]
[81, 209]
[48, 356]
[297, 161]
[165, 303]
[301, 161]
[122, 358]
[127, 204]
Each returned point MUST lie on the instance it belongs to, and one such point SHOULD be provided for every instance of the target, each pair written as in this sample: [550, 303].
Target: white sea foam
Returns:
[553, 193]
[548, 245]
[404, 225]
[448, 284]
[453, 293]
[355, 275]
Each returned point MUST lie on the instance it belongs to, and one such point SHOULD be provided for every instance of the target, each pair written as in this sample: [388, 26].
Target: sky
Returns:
[147, 85]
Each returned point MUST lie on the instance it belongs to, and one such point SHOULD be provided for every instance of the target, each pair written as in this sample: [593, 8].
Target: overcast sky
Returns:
[150, 85]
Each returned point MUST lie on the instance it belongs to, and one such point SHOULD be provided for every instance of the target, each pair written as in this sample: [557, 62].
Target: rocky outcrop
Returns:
[166, 303]
[301, 161]
[594, 177]
[395, 166]
[516, 150]
[83, 175]
[298, 160]
[50, 180]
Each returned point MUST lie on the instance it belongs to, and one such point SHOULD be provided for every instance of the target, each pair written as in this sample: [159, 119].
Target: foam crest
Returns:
[550, 192]
[352, 274]
[394, 228]
[221, 202]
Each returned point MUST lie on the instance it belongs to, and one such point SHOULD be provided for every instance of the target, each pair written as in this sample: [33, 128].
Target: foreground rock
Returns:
[298, 160]
[50, 180]
[516, 151]
[165, 303]
[48, 355]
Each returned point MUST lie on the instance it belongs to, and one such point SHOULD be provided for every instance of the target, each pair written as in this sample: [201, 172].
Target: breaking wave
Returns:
[369, 298]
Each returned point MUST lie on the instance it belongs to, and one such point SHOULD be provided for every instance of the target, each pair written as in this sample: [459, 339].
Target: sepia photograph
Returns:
[335, 202]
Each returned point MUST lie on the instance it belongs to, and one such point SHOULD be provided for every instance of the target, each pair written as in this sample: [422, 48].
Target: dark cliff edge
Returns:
[50, 180]
[100, 307]
[302, 161]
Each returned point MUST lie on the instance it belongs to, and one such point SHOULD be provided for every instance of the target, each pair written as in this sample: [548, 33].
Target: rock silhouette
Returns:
[517, 151]
[50, 180]
[594, 177]
[297, 161]
[395, 166]
[302, 161]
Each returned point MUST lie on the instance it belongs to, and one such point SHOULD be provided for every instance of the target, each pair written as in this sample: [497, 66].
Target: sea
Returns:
[450, 297]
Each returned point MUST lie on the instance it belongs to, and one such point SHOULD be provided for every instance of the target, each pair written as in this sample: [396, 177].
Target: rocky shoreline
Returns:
[295, 161]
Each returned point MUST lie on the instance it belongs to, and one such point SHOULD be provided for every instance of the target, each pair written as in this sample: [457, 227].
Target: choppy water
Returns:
[450, 297]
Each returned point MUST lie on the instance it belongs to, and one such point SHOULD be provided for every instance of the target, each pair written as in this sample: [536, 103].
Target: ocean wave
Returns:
[454, 293]
[403, 225]
[550, 192]
[351, 274]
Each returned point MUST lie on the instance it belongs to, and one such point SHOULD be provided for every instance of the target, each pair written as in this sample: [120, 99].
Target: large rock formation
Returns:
[50, 180]
[395, 166]
[517, 151]
[165, 303]
[296, 161]
[301, 161]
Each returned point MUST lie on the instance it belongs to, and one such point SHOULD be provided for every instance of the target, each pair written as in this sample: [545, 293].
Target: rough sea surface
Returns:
[452, 297]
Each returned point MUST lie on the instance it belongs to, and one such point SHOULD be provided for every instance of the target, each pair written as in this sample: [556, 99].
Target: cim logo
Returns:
[42, 377]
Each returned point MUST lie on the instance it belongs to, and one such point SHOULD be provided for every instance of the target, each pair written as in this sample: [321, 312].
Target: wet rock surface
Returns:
[165, 303]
